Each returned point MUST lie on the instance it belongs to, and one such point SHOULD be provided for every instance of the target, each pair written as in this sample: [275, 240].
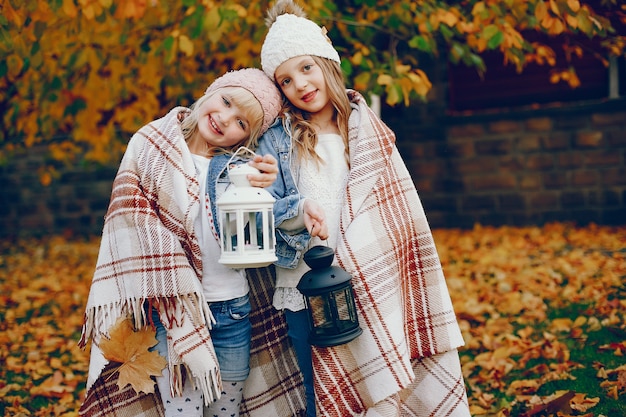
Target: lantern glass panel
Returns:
[320, 309]
[268, 229]
[251, 240]
[250, 235]
[345, 307]
[229, 236]
[332, 313]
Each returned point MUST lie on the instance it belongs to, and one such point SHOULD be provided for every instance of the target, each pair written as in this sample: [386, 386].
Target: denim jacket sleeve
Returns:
[289, 246]
[217, 173]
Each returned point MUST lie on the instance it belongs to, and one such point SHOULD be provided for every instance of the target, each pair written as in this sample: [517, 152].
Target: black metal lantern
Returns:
[329, 298]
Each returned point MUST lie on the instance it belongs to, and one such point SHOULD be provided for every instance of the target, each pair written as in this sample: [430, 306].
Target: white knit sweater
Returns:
[324, 182]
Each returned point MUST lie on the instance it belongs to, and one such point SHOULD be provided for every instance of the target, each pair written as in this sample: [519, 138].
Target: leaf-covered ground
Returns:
[542, 311]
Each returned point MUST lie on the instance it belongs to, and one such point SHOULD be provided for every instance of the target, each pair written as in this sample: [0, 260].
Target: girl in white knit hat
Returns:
[343, 183]
[158, 261]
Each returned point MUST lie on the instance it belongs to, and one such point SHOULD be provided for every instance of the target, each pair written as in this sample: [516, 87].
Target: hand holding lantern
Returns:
[246, 221]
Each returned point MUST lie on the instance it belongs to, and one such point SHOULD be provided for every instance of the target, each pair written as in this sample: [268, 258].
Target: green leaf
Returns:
[40, 29]
[5, 40]
[421, 43]
[331, 6]
[55, 83]
[168, 43]
[26, 66]
[76, 106]
[55, 4]
[73, 58]
[346, 67]
[584, 24]
[495, 40]
[194, 22]
[456, 52]
[228, 15]
[35, 48]
[490, 31]
[478, 62]
[394, 94]
[446, 32]
[394, 22]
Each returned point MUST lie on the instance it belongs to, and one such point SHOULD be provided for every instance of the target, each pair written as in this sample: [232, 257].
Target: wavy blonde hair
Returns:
[240, 97]
[304, 135]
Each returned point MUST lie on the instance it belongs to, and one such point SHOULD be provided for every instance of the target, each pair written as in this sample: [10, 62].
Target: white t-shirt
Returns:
[219, 282]
[324, 182]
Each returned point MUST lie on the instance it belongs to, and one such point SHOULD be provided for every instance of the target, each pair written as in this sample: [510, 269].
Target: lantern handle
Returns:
[308, 245]
[235, 154]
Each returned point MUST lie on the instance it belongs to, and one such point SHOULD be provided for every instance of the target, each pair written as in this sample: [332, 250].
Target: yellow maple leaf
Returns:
[129, 347]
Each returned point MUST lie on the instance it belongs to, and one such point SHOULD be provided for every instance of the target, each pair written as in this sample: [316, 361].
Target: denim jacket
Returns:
[289, 246]
[217, 180]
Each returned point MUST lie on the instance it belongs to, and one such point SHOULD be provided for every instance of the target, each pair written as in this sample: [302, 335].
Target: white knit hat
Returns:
[291, 36]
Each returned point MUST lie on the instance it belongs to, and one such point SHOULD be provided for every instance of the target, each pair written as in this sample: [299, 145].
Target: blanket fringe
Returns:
[99, 319]
[172, 310]
[210, 383]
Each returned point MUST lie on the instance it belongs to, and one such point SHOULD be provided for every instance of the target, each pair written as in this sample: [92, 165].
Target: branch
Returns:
[362, 24]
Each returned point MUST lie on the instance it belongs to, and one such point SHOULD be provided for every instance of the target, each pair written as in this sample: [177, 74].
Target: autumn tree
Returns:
[79, 76]
[383, 41]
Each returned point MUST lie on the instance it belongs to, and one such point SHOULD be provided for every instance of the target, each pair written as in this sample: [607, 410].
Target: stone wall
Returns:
[74, 203]
[523, 168]
[518, 168]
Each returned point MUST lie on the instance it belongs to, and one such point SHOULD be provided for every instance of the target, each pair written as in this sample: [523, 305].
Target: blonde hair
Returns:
[240, 97]
[303, 132]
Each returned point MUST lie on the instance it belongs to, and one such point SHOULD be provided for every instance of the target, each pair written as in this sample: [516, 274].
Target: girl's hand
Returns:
[268, 166]
[315, 219]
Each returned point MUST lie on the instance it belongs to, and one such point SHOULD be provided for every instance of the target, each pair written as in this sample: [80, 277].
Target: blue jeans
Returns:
[231, 336]
[298, 331]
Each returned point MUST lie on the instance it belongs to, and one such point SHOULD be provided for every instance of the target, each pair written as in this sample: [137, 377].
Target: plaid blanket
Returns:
[405, 363]
[107, 399]
[149, 254]
[276, 388]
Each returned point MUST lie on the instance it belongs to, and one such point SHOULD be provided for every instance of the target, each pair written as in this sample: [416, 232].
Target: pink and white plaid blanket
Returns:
[405, 363]
[149, 252]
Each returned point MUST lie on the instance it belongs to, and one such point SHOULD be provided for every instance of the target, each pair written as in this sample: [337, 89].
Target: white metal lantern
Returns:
[246, 220]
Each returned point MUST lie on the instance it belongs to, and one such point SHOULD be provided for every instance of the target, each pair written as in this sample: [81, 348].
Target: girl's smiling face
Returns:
[302, 82]
[221, 122]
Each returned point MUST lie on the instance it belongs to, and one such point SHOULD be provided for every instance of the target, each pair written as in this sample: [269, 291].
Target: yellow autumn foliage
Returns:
[541, 309]
[92, 72]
